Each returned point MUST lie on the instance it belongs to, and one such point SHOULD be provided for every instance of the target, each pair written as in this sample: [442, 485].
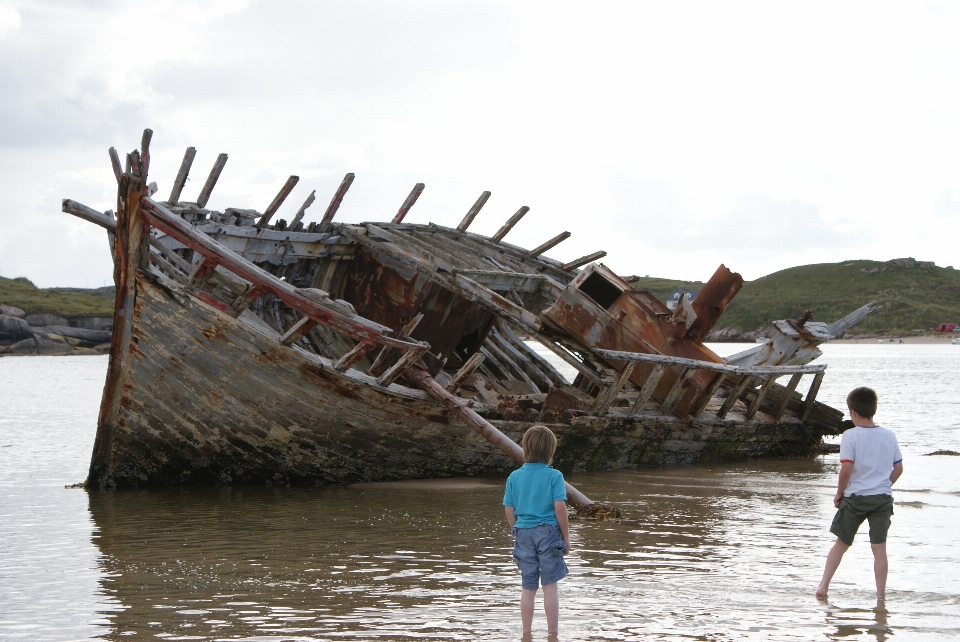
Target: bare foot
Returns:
[821, 592]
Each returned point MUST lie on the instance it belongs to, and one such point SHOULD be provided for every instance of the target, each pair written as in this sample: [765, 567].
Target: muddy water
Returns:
[722, 552]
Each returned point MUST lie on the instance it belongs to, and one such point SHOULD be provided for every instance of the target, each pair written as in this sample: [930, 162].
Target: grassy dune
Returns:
[913, 298]
[70, 303]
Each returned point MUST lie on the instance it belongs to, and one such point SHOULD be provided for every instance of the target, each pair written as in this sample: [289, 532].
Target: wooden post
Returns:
[182, 175]
[407, 204]
[465, 371]
[145, 154]
[784, 399]
[701, 402]
[303, 208]
[556, 240]
[606, 398]
[211, 180]
[811, 396]
[732, 397]
[755, 404]
[513, 220]
[676, 392]
[277, 201]
[335, 201]
[648, 387]
[583, 260]
[115, 162]
[472, 214]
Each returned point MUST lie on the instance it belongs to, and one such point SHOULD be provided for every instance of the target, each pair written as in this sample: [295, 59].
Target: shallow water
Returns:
[724, 552]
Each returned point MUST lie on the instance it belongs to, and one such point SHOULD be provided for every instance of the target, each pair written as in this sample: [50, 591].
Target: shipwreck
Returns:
[248, 349]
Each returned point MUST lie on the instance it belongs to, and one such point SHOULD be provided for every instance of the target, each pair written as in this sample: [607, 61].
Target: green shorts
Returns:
[876, 509]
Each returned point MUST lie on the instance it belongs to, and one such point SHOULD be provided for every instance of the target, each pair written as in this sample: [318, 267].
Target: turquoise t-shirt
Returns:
[531, 490]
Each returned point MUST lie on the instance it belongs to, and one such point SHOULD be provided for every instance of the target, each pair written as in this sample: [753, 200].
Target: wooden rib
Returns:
[277, 201]
[785, 395]
[513, 220]
[133, 162]
[755, 404]
[504, 358]
[732, 397]
[246, 299]
[409, 358]
[609, 395]
[491, 359]
[336, 200]
[567, 357]
[472, 214]
[300, 328]
[348, 360]
[115, 162]
[522, 358]
[202, 273]
[551, 373]
[648, 387]
[676, 392]
[402, 334]
[303, 208]
[407, 204]
[704, 398]
[182, 175]
[212, 180]
[583, 260]
[465, 371]
[145, 153]
[811, 399]
[556, 240]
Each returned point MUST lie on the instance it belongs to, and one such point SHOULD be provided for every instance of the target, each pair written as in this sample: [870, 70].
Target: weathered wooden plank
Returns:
[755, 404]
[182, 174]
[556, 240]
[491, 360]
[709, 365]
[808, 403]
[781, 406]
[407, 204]
[88, 214]
[732, 396]
[202, 272]
[472, 213]
[145, 156]
[704, 398]
[465, 371]
[498, 304]
[212, 180]
[677, 390]
[246, 299]
[408, 358]
[300, 328]
[513, 220]
[505, 359]
[303, 208]
[583, 260]
[404, 332]
[277, 201]
[609, 394]
[115, 163]
[522, 359]
[336, 201]
[351, 358]
[585, 370]
[551, 373]
[653, 380]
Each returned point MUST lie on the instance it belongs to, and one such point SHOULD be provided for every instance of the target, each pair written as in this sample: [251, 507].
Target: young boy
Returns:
[534, 503]
[870, 462]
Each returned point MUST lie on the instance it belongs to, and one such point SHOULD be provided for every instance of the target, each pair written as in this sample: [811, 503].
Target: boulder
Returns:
[93, 323]
[46, 319]
[14, 328]
[11, 311]
[27, 346]
[49, 345]
[94, 336]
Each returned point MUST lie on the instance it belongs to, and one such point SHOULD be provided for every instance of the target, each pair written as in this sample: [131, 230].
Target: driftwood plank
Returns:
[212, 180]
[407, 204]
[513, 220]
[277, 201]
[472, 214]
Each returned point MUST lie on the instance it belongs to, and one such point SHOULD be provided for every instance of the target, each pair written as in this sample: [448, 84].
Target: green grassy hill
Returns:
[915, 295]
[70, 303]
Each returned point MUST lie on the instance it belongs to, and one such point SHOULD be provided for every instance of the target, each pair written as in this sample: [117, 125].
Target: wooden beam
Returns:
[556, 240]
[211, 180]
[676, 392]
[277, 201]
[336, 200]
[761, 393]
[811, 396]
[202, 273]
[472, 214]
[732, 397]
[246, 299]
[182, 175]
[566, 356]
[408, 358]
[115, 162]
[402, 334]
[350, 359]
[407, 204]
[785, 395]
[704, 398]
[648, 387]
[513, 220]
[465, 371]
[303, 208]
[606, 398]
[300, 328]
[709, 365]
[145, 153]
[583, 260]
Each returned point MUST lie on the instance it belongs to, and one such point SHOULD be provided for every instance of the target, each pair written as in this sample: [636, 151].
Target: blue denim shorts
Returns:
[539, 555]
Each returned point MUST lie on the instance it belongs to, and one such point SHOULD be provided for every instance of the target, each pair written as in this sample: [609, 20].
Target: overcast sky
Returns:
[676, 136]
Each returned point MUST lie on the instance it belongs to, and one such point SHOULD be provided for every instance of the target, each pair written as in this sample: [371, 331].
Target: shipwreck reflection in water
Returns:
[707, 551]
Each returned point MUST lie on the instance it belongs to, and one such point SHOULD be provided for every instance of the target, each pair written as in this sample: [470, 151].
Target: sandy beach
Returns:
[928, 338]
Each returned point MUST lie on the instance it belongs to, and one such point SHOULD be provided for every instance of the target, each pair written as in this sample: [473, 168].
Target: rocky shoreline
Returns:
[47, 334]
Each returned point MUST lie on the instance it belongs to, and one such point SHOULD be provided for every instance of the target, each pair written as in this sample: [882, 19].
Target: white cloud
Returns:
[9, 20]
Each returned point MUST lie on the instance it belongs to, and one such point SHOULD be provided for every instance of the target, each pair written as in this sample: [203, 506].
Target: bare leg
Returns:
[526, 609]
[833, 562]
[551, 606]
[880, 568]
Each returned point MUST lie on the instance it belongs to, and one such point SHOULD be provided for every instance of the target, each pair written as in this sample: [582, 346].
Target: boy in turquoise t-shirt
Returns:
[535, 505]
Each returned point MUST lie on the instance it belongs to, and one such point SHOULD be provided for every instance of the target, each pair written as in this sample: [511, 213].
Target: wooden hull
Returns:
[208, 398]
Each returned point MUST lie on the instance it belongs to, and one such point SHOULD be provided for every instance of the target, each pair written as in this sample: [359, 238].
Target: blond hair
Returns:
[539, 443]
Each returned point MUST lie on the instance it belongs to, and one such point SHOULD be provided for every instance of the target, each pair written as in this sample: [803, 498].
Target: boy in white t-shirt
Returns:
[870, 462]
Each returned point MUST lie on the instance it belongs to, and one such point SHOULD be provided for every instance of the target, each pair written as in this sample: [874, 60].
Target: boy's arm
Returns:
[846, 468]
[896, 472]
[511, 518]
[560, 508]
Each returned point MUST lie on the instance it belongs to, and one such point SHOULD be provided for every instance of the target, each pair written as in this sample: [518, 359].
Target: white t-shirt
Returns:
[873, 452]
